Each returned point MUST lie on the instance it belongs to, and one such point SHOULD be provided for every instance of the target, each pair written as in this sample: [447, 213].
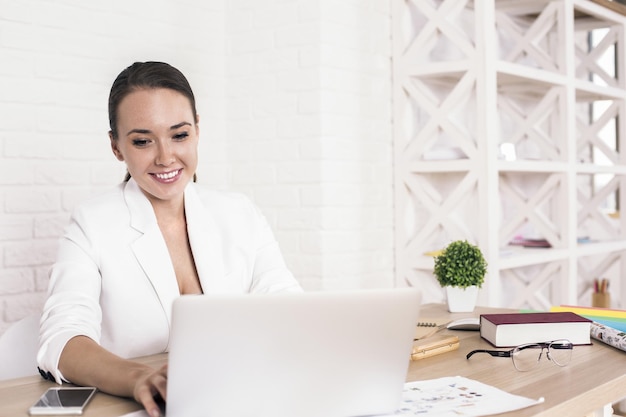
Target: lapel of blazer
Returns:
[205, 241]
[150, 248]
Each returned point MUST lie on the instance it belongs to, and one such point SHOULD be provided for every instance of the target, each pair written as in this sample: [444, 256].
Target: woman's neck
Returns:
[167, 211]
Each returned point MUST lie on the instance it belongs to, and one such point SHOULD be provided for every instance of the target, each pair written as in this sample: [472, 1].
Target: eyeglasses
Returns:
[527, 357]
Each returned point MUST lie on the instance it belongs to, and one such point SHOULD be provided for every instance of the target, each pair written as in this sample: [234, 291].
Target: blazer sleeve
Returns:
[72, 307]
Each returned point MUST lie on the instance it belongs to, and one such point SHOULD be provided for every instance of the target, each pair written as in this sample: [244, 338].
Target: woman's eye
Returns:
[181, 136]
[140, 142]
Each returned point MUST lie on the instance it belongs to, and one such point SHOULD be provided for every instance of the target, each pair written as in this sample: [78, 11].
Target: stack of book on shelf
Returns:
[530, 243]
[607, 325]
[514, 329]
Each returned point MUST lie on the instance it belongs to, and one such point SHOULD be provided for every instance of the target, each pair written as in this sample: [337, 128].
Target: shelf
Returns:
[516, 257]
[541, 83]
[441, 70]
[596, 248]
[524, 78]
[518, 79]
[532, 166]
[588, 91]
[600, 169]
[444, 165]
[550, 167]
[601, 8]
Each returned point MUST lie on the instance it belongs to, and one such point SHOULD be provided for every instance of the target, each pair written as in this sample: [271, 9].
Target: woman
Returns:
[128, 254]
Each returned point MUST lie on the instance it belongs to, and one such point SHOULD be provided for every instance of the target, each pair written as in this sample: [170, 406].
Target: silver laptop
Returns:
[312, 354]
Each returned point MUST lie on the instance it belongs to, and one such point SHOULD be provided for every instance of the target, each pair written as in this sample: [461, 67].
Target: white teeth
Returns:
[167, 176]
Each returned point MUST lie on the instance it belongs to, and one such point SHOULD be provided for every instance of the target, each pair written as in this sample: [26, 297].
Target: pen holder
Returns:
[601, 299]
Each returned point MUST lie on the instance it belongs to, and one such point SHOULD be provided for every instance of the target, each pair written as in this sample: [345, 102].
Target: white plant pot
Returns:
[461, 300]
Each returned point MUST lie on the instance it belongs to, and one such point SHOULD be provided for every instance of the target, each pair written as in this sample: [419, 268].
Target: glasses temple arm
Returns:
[562, 347]
[496, 353]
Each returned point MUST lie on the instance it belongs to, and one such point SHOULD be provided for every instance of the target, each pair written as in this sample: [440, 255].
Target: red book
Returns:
[513, 329]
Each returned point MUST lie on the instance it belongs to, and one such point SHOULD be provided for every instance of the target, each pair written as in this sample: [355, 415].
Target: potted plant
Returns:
[460, 268]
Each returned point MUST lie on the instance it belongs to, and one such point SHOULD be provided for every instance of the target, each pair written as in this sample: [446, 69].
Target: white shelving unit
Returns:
[509, 118]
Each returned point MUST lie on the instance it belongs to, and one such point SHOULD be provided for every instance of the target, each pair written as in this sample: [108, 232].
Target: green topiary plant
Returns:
[460, 264]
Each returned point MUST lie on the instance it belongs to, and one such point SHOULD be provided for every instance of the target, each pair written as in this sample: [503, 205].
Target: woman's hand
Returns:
[86, 363]
[149, 386]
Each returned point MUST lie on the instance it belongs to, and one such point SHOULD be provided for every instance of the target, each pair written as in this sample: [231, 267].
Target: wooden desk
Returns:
[595, 377]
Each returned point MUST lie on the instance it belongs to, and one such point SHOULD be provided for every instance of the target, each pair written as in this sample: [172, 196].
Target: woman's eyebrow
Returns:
[179, 125]
[148, 131]
[140, 131]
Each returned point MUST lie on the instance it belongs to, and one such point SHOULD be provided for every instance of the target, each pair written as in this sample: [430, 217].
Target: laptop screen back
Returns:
[315, 354]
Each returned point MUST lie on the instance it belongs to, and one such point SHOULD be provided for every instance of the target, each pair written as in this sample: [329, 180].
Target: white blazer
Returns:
[114, 280]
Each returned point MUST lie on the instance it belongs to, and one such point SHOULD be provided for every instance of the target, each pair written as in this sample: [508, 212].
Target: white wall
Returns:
[308, 102]
[294, 100]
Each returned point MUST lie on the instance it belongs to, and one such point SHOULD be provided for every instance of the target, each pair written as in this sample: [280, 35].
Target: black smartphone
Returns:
[63, 400]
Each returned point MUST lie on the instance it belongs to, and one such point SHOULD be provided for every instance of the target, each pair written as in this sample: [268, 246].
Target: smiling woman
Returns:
[159, 143]
[150, 76]
[126, 255]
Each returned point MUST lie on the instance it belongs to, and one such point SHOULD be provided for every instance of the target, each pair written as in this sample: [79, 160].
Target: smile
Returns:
[167, 175]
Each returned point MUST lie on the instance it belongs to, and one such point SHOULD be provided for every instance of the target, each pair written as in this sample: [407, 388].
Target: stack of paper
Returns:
[607, 316]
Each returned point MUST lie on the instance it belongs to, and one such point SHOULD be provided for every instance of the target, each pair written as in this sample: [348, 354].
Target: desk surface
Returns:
[595, 377]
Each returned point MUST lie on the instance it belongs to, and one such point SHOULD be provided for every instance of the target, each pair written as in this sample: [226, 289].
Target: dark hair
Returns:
[147, 75]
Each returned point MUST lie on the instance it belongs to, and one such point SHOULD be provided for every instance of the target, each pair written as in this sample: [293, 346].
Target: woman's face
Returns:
[158, 140]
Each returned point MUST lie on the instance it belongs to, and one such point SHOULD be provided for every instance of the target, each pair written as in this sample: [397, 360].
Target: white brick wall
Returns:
[310, 136]
[294, 101]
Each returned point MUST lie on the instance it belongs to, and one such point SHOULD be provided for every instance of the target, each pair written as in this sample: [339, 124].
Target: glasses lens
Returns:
[561, 352]
[526, 357]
